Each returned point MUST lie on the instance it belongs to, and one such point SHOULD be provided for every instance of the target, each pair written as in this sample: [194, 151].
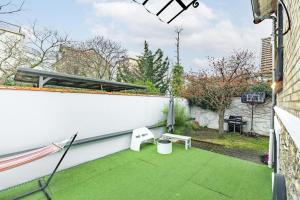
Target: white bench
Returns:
[186, 139]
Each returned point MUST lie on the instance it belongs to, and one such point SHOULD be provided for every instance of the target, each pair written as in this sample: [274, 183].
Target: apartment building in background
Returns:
[266, 59]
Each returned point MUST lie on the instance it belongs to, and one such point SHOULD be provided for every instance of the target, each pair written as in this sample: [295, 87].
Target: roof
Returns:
[43, 78]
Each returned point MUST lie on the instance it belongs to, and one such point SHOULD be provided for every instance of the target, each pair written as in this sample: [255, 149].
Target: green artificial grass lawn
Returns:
[183, 175]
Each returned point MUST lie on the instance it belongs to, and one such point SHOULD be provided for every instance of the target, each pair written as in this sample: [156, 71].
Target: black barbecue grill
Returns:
[235, 123]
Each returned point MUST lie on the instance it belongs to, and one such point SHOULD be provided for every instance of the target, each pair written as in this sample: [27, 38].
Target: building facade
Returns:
[266, 58]
[11, 54]
[287, 119]
[81, 62]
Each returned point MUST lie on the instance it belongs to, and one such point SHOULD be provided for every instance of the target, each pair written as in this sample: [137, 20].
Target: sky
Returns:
[214, 29]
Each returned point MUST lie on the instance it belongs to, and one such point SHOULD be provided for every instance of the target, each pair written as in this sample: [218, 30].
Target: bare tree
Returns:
[41, 47]
[10, 51]
[112, 53]
[72, 60]
[10, 56]
[178, 32]
[98, 58]
[38, 50]
[177, 78]
[228, 77]
[9, 8]
[76, 59]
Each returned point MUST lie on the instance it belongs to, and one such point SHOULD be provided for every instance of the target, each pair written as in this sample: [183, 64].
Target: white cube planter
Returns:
[164, 146]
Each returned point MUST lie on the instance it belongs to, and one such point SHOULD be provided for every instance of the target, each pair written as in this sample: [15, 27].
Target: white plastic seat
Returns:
[140, 136]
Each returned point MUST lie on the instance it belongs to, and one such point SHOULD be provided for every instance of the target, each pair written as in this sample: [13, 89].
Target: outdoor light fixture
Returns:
[168, 9]
[263, 9]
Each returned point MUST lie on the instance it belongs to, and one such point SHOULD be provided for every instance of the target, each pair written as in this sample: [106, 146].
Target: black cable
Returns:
[288, 16]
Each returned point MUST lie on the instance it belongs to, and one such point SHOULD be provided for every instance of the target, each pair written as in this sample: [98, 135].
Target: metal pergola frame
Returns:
[43, 78]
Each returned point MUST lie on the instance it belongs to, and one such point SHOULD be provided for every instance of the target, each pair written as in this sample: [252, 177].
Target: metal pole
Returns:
[252, 118]
[61, 159]
[272, 132]
[278, 76]
[42, 186]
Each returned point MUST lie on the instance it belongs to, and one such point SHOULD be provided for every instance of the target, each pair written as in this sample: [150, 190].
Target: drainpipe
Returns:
[278, 76]
[279, 71]
[272, 132]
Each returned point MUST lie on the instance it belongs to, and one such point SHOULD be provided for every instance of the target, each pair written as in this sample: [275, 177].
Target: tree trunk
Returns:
[221, 122]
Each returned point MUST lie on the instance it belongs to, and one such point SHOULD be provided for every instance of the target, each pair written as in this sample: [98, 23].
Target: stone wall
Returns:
[261, 117]
[289, 100]
[289, 165]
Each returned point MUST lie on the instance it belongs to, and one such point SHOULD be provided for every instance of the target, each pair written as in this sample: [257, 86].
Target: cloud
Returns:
[127, 21]
[200, 62]
[207, 31]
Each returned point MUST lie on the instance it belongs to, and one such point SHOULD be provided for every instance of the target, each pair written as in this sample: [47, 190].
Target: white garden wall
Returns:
[261, 116]
[31, 119]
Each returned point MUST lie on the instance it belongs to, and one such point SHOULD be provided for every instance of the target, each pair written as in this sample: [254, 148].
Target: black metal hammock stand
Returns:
[183, 6]
[44, 185]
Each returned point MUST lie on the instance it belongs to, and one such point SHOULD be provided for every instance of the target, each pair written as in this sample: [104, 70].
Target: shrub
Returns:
[150, 87]
[183, 122]
[10, 82]
[201, 102]
[195, 125]
[262, 87]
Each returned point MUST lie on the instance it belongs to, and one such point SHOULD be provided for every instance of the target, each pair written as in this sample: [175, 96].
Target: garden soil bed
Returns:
[244, 154]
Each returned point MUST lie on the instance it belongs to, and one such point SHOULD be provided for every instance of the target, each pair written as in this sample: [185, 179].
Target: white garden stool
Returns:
[164, 146]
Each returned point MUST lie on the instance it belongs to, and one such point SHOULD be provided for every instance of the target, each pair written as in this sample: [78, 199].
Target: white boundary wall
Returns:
[261, 116]
[31, 119]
